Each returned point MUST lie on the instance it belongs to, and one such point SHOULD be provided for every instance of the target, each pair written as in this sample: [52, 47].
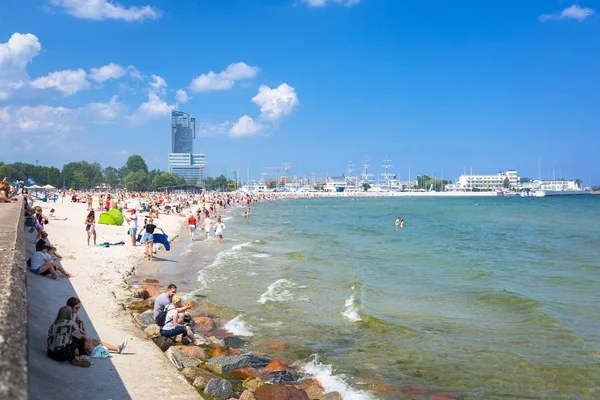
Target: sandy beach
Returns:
[141, 371]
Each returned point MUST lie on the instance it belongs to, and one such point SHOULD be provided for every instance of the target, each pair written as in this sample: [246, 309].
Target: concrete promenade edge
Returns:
[13, 303]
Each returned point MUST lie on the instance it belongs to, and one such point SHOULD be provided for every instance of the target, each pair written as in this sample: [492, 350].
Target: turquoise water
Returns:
[487, 298]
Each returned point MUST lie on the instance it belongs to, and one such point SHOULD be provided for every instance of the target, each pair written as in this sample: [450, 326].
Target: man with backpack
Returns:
[162, 303]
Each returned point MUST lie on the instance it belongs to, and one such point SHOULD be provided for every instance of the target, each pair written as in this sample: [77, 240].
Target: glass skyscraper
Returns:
[183, 132]
[182, 160]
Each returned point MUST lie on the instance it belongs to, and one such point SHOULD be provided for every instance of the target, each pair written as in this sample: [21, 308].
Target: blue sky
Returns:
[436, 86]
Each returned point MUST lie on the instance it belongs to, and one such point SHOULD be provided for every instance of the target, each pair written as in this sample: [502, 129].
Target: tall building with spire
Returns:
[183, 161]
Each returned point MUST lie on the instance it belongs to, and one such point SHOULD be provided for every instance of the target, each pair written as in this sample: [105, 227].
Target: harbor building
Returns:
[183, 161]
[486, 182]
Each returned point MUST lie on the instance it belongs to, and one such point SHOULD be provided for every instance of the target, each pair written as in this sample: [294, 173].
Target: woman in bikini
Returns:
[90, 226]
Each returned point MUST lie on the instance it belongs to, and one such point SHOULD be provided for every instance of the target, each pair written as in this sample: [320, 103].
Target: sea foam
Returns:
[331, 383]
[238, 327]
[207, 275]
[278, 291]
[352, 307]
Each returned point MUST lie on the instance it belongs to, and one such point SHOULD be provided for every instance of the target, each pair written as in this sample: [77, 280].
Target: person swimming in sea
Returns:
[398, 221]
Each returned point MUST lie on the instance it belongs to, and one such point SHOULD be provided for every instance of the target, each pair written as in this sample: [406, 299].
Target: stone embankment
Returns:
[221, 369]
[13, 303]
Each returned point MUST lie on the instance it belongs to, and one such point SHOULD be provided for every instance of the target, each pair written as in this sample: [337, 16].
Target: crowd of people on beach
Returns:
[68, 339]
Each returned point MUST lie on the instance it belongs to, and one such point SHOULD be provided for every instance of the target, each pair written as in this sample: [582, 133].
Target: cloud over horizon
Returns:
[574, 12]
[225, 79]
[99, 10]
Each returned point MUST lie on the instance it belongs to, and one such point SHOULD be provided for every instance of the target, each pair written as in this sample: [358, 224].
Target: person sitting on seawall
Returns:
[39, 264]
[174, 322]
[6, 193]
[64, 338]
[49, 255]
[45, 241]
[90, 343]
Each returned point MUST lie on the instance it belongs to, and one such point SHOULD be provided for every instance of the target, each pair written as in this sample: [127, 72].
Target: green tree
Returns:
[136, 163]
[366, 186]
[135, 181]
[192, 181]
[111, 176]
[164, 179]
[272, 185]
[79, 181]
[506, 183]
[578, 182]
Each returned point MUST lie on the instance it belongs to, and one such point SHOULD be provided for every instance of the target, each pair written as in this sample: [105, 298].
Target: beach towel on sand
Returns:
[158, 238]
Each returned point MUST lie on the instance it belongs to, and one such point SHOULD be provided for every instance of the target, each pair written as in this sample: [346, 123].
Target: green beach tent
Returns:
[111, 217]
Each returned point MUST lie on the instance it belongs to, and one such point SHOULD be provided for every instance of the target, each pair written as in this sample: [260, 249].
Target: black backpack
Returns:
[161, 318]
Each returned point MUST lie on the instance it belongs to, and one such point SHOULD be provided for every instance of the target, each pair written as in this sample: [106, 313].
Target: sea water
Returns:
[486, 298]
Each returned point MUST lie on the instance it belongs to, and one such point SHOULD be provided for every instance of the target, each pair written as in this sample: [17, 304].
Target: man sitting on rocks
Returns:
[163, 306]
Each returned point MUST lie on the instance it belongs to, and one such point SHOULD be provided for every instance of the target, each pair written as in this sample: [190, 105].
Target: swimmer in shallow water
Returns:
[398, 220]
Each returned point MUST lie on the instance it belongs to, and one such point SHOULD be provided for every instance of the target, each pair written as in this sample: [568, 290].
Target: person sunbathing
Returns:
[54, 217]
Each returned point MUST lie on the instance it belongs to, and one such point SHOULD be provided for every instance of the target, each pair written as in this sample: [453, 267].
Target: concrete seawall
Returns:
[13, 303]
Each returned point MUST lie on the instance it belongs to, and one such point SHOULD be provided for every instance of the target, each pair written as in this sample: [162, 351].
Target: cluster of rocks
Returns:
[221, 370]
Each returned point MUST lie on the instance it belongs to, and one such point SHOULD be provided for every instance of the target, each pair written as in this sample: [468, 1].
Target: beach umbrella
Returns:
[48, 187]
[34, 187]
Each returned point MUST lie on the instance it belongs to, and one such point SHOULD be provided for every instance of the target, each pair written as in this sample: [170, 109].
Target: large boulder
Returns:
[277, 365]
[191, 373]
[247, 373]
[153, 331]
[194, 351]
[144, 319]
[224, 365]
[314, 392]
[204, 324]
[247, 395]
[258, 361]
[181, 359]
[218, 387]
[332, 396]
[164, 343]
[252, 384]
[202, 379]
[280, 392]
[235, 342]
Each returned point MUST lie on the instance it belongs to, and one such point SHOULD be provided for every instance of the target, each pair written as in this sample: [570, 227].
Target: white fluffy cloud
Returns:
[157, 83]
[276, 103]
[43, 118]
[134, 73]
[323, 3]
[223, 80]
[15, 54]
[106, 112]
[156, 106]
[574, 12]
[18, 51]
[109, 71]
[246, 126]
[68, 82]
[106, 9]
[182, 97]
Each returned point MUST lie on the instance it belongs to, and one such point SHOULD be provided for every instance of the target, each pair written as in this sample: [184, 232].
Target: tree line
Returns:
[82, 175]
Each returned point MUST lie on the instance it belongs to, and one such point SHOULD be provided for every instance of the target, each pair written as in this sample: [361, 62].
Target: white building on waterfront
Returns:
[485, 182]
[187, 165]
